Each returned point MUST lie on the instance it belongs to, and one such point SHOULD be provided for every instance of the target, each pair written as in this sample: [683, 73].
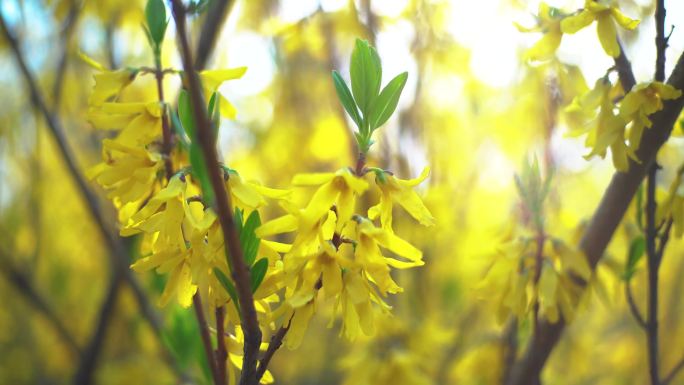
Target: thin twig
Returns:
[26, 289]
[240, 272]
[673, 373]
[206, 336]
[221, 353]
[215, 17]
[91, 353]
[69, 26]
[273, 346]
[632, 305]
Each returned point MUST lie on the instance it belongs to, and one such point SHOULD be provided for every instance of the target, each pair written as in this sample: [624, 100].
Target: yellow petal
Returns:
[284, 224]
[605, 28]
[622, 20]
[572, 24]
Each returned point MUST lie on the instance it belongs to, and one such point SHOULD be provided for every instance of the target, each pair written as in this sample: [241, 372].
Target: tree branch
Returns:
[239, 271]
[216, 15]
[606, 218]
[25, 288]
[678, 368]
[273, 346]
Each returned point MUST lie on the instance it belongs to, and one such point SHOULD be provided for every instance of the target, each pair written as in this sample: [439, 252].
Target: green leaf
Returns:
[636, 252]
[186, 115]
[155, 14]
[199, 171]
[228, 285]
[366, 75]
[214, 113]
[384, 105]
[258, 272]
[178, 130]
[248, 239]
[346, 98]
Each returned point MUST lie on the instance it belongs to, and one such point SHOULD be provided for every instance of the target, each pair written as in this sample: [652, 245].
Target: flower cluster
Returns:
[554, 23]
[619, 128]
[155, 174]
[339, 253]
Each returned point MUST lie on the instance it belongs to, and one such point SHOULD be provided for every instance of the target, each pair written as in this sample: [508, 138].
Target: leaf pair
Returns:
[366, 104]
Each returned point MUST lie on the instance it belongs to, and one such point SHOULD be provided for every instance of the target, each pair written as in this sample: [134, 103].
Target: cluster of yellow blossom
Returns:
[607, 124]
[181, 237]
[617, 127]
[554, 23]
[339, 253]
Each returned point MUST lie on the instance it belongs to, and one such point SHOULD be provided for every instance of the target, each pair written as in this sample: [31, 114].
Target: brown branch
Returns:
[273, 346]
[216, 15]
[204, 334]
[673, 373]
[26, 289]
[606, 218]
[91, 353]
[117, 253]
[239, 271]
[68, 29]
[633, 306]
[221, 352]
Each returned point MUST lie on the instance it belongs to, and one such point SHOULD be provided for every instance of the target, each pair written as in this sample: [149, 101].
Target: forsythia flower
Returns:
[674, 205]
[128, 172]
[400, 191]
[250, 196]
[606, 16]
[512, 278]
[643, 100]
[212, 80]
[108, 84]
[339, 252]
[549, 20]
[606, 129]
[139, 123]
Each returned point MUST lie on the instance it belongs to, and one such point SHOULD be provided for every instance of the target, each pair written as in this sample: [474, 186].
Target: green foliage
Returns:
[368, 107]
[248, 239]
[155, 17]
[637, 248]
[199, 168]
[258, 272]
[228, 285]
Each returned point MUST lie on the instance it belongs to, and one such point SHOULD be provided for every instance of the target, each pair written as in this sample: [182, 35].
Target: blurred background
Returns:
[473, 110]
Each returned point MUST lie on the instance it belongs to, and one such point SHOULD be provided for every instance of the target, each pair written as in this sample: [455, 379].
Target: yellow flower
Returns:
[175, 262]
[367, 254]
[606, 129]
[606, 16]
[250, 196]
[128, 172]
[163, 216]
[355, 305]
[549, 19]
[139, 123]
[108, 84]
[339, 189]
[643, 100]
[400, 191]
[212, 80]
[674, 205]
